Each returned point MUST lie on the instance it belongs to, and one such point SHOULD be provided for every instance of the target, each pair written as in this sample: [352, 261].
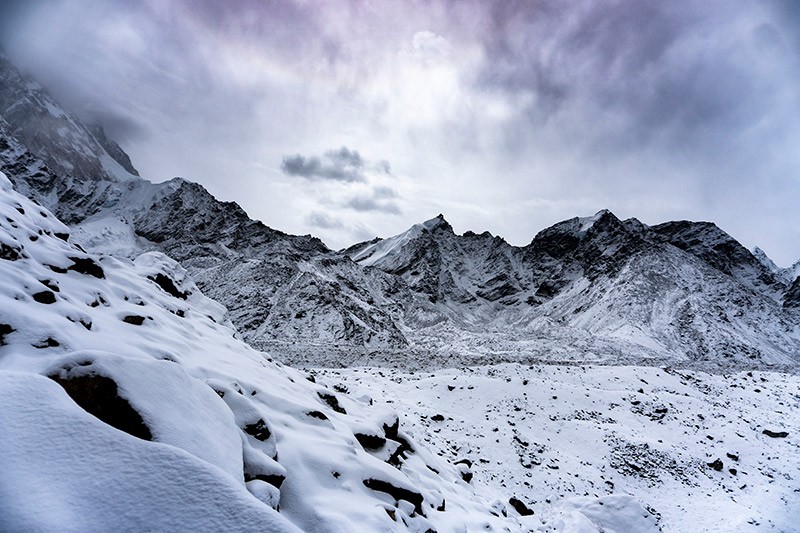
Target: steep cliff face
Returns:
[28, 173]
[719, 250]
[90, 167]
[792, 298]
[61, 140]
[443, 267]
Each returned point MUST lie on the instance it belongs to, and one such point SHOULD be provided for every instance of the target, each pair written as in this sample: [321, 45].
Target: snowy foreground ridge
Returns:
[223, 435]
[127, 404]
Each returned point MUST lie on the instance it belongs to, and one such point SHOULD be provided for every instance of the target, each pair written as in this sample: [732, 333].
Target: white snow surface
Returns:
[610, 448]
[65, 470]
[236, 436]
[220, 413]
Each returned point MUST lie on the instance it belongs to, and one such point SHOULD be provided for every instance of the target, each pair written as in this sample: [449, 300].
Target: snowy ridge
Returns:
[383, 250]
[138, 345]
[788, 275]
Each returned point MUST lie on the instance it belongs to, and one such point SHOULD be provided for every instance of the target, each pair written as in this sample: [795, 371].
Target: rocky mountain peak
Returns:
[438, 223]
[715, 247]
[113, 149]
[68, 147]
[602, 230]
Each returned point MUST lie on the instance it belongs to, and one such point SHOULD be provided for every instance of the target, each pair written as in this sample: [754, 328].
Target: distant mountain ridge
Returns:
[594, 284]
[592, 288]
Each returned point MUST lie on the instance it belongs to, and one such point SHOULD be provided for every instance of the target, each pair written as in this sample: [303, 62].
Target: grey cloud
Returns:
[10, 10]
[657, 64]
[345, 157]
[343, 165]
[384, 167]
[317, 219]
[120, 127]
[384, 192]
[380, 200]
[367, 204]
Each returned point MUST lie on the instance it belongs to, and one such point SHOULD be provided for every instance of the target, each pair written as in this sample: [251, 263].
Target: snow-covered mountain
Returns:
[257, 272]
[89, 165]
[788, 274]
[593, 287]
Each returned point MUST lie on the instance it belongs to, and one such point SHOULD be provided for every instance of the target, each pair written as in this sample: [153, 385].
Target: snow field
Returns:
[548, 433]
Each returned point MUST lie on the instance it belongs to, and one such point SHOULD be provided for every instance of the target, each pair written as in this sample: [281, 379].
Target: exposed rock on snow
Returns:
[176, 424]
[98, 395]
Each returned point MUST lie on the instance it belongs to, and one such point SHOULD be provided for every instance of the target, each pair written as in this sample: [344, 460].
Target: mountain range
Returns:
[590, 288]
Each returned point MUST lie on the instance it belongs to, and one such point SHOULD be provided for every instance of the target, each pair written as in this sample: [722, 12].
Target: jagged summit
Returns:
[788, 275]
[588, 222]
[385, 250]
[596, 272]
[67, 146]
[437, 222]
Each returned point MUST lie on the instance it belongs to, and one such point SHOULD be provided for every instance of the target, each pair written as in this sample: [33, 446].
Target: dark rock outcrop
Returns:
[98, 396]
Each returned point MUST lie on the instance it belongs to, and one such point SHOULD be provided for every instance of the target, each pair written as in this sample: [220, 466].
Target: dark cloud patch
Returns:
[383, 192]
[659, 71]
[321, 220]
[342, 165]
[380, 200]
[367, 204]
[11, 11]
[787, 13]
[384, 167]
[120, 127]
[345, 157]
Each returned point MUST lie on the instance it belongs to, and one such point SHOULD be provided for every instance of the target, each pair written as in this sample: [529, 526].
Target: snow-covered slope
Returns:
[209, 432]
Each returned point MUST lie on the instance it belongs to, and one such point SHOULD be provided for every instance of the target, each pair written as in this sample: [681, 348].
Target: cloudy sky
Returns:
[351, 119]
